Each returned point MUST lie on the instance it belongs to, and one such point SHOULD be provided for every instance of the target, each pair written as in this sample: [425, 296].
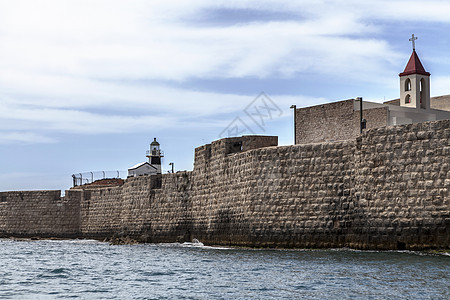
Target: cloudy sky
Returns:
[86, 85]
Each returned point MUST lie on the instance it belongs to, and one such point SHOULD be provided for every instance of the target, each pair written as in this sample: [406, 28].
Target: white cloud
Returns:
[181, 108]
[368, 10]
[136, 42]
[73, 121]
[63, 62]
[24, 137]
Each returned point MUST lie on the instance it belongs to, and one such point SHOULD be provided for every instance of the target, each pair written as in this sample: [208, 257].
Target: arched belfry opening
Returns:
[415, 83]
[408, 99]
[422, 94]
[407, 85]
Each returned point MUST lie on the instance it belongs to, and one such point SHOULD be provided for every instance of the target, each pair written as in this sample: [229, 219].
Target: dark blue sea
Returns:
[87, 269]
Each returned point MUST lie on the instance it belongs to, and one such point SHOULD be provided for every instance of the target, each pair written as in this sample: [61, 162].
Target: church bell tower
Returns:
[415, 83]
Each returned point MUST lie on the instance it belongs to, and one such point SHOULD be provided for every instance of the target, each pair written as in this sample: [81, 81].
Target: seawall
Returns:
[40, 214]
[387, 189]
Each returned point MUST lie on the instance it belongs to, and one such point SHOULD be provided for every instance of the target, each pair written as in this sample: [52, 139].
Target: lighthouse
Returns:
[154, 156]
[153, 166]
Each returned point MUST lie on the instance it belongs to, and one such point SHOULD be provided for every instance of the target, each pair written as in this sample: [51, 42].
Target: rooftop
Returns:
[414, 66]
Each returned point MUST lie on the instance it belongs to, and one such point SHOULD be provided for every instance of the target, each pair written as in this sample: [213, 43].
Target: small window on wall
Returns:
[407, 85]
[408, 99]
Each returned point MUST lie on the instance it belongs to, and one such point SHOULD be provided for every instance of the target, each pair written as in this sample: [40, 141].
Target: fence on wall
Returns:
[90, 177]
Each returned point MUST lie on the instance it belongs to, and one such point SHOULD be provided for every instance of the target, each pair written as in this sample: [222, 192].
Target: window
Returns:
[407, 85]
[408, 99]
[422, 90]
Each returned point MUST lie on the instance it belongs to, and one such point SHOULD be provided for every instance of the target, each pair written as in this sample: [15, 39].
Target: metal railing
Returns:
[154, 153]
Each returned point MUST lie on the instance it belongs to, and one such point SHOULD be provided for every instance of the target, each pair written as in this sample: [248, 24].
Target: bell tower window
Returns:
[407, 85]
[408, 99]
[422, 97]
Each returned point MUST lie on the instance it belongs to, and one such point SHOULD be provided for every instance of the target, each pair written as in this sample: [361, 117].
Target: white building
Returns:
[153, 166]
[143, 168]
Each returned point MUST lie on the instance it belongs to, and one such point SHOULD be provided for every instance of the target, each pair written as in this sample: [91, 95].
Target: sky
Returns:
[85, 86]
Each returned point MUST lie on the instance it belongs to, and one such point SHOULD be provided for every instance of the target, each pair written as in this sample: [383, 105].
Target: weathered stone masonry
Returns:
[40, 214]
[387, 189]
[402, 184]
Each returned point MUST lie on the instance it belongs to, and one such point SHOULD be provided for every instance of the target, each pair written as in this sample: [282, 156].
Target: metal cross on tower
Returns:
[413, 39]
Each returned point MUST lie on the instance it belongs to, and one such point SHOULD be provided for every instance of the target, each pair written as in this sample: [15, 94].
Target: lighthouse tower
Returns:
[153, 166]
[154, 156]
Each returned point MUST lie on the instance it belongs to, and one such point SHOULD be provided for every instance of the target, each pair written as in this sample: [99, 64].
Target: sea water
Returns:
[88, 269]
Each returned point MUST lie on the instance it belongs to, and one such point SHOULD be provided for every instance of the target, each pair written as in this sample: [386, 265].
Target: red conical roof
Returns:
[414, 66]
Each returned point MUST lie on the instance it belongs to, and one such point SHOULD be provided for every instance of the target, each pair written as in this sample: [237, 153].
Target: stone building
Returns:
[341, 120]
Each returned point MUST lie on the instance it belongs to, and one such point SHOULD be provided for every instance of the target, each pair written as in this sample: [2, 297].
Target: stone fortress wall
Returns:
[40, 214]
[335, 121]
[386, 189]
